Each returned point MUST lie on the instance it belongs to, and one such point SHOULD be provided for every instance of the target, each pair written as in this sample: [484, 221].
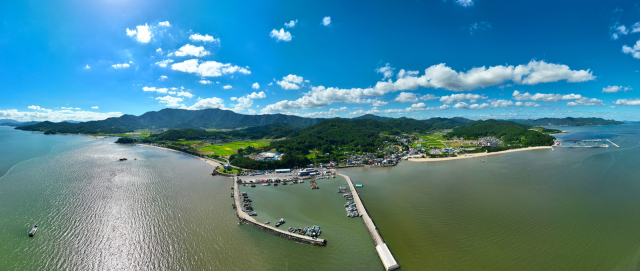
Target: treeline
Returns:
[198, 134]
[90, 128]
[327, 136]
[507, 131]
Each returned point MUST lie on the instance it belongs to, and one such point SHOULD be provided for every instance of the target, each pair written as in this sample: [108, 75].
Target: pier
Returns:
[247, 219]
[614, 144]
[386, 257]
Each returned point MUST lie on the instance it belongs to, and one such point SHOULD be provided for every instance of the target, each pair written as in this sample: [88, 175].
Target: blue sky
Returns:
[85, 60]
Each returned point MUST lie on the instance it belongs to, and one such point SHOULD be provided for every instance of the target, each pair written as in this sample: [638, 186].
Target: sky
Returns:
[480, 59]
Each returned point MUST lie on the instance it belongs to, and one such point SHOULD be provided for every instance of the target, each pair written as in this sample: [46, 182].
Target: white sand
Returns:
[478, 155]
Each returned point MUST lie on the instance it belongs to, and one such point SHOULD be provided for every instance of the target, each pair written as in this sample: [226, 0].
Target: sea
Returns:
[560, 209]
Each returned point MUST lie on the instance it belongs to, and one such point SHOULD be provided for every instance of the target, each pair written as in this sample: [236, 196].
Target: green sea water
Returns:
[568, 209]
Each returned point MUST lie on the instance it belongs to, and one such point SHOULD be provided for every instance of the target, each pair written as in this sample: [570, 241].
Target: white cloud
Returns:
[428, 97]
[245, 102]
[634, 52]
[154, 89]
[463, 105]
[184, 94]
[142, 34]
[544, 97]
[205, 82]
[527, 104]
[437, 76]
[165, 24]
[255, 86]
[280, 35]
[36, 107]
[120, 66]
[387, 71]
[618, 30]
[213, 102]
[94, 107]
[270, 83]
[171, 101]
[290, 81]
[163, 77]
[479, 26]
[376, 102]
[55, 115]
[615, 89]
[206, 38]
[291, 24]
[326, 21]
[586, 102]
[227, 87]
[627, 102]
[501, 103]
[465, 3]
[208, 68]
[164, 63]
[87, 67]
[406, 97]
[159, 50]
[635, 28]
[402, 73]
[462, 97]
[252, 112]
[190, 50]
[259, 95]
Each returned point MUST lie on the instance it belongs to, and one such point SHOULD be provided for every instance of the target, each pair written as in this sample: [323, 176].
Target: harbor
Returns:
[249, 220]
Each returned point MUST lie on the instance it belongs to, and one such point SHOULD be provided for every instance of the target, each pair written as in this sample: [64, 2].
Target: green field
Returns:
[228, 149]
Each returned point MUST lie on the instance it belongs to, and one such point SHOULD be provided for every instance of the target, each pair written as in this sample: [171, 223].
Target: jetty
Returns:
[386, 257]
[247, 219]
[614, 144]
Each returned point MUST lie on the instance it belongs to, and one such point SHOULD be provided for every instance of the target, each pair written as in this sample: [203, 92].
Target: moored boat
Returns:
[33, 231]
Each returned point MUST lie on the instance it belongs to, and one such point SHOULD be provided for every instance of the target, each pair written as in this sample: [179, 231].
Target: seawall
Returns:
[386, 257]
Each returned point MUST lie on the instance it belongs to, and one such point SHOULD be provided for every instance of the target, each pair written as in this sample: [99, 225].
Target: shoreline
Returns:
[477, 155]
[210, 162]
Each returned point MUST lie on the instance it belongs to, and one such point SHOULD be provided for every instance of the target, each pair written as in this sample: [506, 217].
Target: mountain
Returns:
[567, 122]
[373, 117]
[10, 122]
[173, 119]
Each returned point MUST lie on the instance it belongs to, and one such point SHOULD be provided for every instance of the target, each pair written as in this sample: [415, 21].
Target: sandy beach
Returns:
[477, 155]
[209, 161]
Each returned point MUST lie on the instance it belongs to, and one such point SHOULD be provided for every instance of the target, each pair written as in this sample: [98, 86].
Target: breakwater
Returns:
[614, 144]
[386, 257]
[247, 219]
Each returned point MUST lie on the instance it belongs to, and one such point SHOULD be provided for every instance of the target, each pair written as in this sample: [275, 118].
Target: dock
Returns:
[614, 144]
[386, 257]
[247, 219]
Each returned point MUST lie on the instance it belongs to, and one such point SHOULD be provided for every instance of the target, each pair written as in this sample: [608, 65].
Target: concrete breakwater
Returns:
[247, 219]
[386, 257]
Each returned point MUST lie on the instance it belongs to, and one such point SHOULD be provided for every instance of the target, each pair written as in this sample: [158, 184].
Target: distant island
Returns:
[568, 122]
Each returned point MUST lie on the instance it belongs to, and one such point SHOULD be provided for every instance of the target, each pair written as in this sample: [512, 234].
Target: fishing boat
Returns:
[123, 159]
[267, 222]
[253, 214]
[280, 222]
[33, 231]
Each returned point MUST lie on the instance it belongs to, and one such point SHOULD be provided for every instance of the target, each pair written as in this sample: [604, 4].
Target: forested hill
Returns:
[568, 122]
[507, 131]
[173, 119]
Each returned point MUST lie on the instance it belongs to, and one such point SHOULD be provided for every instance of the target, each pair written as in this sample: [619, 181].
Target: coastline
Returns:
[476, 155]
[210, 162]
